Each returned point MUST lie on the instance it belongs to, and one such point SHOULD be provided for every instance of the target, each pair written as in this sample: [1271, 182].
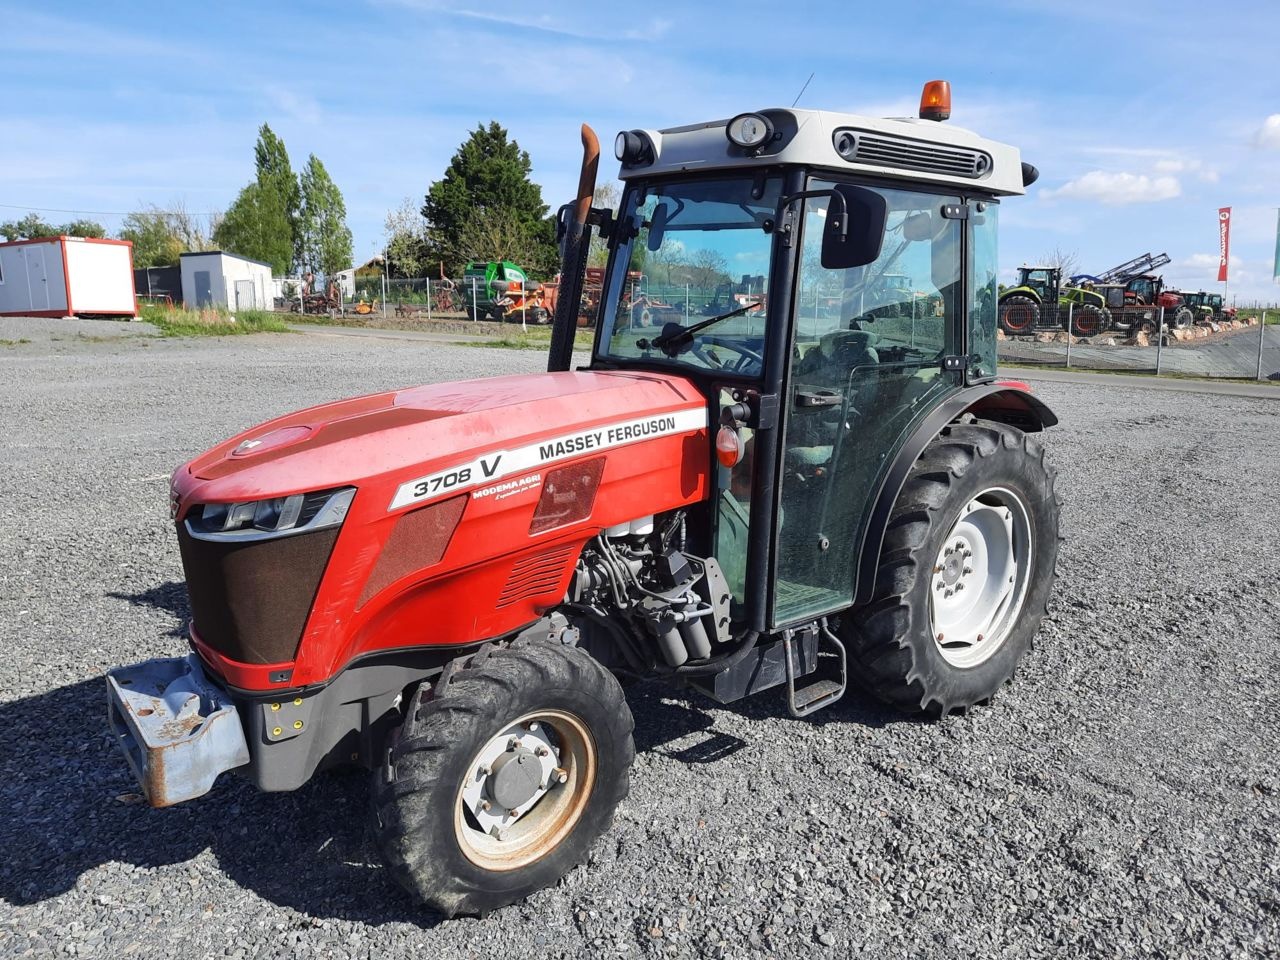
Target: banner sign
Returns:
[1276, 273]
[1224, 242]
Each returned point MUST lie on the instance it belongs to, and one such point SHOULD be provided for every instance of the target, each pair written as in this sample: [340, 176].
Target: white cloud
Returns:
[1269, 134]
[1117, 189]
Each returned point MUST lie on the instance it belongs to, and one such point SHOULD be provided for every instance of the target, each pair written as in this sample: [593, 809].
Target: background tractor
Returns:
[1039, 296]
[501, 290]
[1135, 296]
[1207, 306]
[444, 584]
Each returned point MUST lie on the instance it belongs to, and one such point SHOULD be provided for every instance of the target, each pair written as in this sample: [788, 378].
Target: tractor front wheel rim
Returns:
[524, 790]
[979, 579]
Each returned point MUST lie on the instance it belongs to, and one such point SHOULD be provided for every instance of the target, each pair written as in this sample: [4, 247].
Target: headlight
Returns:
[272, 517]
[749, 130]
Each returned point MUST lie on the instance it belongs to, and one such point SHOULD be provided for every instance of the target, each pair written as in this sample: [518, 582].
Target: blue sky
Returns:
[1143, 118]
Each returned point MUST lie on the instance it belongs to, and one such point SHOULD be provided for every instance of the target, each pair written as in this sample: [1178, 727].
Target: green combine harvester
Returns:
[1039, 301]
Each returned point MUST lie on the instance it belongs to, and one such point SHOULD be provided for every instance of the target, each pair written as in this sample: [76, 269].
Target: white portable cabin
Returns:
[215, 278]
[67, 276]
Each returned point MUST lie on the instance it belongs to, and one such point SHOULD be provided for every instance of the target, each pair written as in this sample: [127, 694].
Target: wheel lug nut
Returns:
[959, 586]
[513, 743]
[939, 638]
[532, 726]
[542, 751]
[485, 805]
[560, 775]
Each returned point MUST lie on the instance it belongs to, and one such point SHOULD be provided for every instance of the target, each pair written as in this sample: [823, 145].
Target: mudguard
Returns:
[1008, 401]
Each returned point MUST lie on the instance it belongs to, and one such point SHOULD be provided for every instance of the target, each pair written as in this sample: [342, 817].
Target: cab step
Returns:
[821, 693]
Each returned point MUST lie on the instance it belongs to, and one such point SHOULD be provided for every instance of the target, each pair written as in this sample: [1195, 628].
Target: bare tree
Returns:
[606, 196]
[405, 240]
[1068, 261]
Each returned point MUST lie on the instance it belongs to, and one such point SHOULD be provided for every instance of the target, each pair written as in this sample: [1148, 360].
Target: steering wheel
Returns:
[748, 360]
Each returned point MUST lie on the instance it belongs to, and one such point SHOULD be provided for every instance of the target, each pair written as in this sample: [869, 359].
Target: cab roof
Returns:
[907, 149]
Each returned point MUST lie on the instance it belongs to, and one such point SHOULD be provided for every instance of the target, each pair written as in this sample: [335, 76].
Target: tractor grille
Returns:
[536, 575]
[881, 150]
[250, 601]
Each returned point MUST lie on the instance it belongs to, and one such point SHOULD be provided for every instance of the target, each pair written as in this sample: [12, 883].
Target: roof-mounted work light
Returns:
[935, 100]
[633, 147]
[749, 130]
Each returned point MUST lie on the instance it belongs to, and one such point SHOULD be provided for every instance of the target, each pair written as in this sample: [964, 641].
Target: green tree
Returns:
[257, 226]
[33, 225]
[488, 178]
[84, 228]
[322, 223]
[275, 174]
[154, 244]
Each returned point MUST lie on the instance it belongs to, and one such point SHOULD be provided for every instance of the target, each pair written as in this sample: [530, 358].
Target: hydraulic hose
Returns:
[722, 662]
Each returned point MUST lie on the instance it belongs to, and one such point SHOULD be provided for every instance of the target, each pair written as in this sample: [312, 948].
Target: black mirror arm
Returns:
[841, 222]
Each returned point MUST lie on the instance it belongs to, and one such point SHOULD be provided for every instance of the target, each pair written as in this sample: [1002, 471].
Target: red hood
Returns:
[403, 432]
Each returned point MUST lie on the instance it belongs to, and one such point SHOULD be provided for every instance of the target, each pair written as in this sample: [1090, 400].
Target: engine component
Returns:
[667, 594]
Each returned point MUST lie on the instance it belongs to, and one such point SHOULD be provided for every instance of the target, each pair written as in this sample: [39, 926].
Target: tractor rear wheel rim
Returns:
[502, 820]
[979, 579]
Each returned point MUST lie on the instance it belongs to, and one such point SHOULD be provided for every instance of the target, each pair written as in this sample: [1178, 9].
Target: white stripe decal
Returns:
[493, 466]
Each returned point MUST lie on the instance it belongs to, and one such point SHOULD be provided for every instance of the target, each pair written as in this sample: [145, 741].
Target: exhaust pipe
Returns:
[574, 258]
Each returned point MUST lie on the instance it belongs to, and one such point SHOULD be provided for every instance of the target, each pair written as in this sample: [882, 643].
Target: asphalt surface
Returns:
[1121, 799]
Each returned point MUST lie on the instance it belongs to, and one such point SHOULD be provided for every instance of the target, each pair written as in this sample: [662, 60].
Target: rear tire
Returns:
[1183, 318]
[976, 469]
[1019, 315]
[432, 839]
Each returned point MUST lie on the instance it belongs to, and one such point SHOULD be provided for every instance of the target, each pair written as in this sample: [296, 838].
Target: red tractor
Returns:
[444, 584]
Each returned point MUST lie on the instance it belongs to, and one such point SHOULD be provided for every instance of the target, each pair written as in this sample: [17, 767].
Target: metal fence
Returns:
[1240, 343]
[1235, 344]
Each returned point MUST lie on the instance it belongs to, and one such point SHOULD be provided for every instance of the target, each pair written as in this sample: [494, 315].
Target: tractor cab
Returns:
[1044, 281]
[874, 244]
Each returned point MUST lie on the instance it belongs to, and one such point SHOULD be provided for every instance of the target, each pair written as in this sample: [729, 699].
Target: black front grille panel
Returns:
[250, 601]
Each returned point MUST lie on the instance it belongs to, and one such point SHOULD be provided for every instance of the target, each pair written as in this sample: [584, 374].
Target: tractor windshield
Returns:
[692, 251]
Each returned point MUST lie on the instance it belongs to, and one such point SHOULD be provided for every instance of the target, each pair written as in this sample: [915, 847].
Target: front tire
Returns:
[500, 785]
[978, 513]
[1089, 320]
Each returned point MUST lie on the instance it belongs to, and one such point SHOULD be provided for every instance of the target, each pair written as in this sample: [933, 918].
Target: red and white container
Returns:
[67, 276]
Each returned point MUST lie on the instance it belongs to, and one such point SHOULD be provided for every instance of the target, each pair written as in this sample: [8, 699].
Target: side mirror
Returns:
[857, 242]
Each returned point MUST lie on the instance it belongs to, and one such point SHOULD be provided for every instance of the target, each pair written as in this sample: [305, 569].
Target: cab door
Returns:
[867, 365]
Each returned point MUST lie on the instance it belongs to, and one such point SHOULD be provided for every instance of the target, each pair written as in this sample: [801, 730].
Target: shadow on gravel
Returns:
[170, 598]
[68, 805]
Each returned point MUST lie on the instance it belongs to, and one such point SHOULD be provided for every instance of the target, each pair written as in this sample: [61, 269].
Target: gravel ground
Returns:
[1120, 799]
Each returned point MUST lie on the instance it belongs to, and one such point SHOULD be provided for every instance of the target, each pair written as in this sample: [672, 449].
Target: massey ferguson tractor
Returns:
[444, 584]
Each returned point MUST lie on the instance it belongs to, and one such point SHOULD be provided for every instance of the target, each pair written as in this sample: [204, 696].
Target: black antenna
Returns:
[802, 90]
